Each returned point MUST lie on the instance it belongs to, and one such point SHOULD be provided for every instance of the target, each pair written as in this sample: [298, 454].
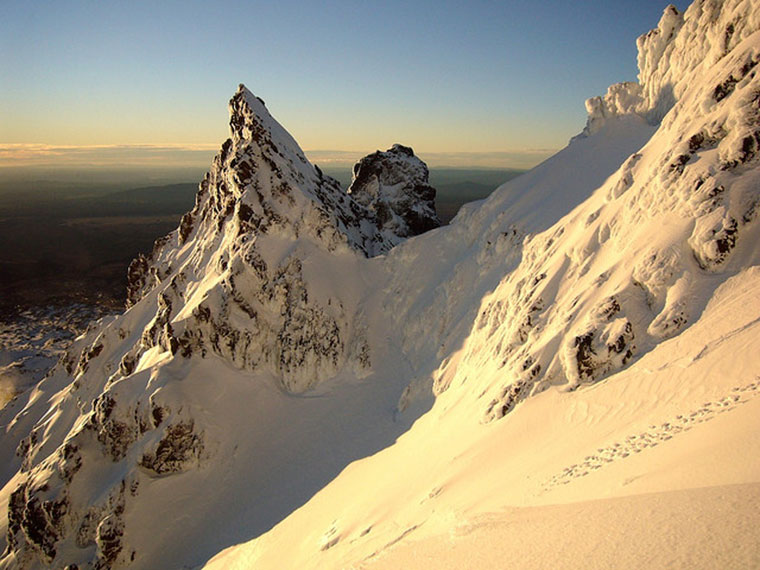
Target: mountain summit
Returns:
[302, 375]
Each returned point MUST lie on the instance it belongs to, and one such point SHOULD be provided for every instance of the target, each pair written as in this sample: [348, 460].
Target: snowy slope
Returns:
[32, 342]
[644, 275]
[659, 465]
[285, 374]
[634, 263]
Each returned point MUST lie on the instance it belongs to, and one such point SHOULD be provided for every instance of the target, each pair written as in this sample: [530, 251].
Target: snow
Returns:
[606, 533]
[565, 375]
[607, 473]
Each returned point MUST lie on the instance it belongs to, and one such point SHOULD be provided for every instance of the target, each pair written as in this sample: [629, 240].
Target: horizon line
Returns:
[199, 155]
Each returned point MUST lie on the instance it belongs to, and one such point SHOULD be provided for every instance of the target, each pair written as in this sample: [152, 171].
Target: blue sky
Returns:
[443, 77]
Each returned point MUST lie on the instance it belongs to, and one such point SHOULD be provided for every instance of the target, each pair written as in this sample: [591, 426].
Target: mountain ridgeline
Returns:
[287, 327]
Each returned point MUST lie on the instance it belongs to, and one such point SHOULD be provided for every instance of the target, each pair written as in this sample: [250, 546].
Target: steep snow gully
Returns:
[299, 368]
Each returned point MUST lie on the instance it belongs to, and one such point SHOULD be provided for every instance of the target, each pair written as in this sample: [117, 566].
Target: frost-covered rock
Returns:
[260, 211]
[394, 186]
[31, 342]
[632, 265]
[672, 58]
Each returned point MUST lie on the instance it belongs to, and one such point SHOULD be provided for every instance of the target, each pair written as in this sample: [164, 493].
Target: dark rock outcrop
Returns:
[394, 186]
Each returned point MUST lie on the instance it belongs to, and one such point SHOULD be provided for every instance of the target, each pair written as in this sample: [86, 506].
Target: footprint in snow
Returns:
[654, 436]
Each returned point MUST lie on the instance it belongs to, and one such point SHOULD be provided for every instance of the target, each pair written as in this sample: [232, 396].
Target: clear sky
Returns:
[499, 79]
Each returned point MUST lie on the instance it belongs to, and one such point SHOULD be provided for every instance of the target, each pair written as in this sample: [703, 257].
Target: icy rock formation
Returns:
[662, 62]
[672, 58]
[260, 194]
[394, 186]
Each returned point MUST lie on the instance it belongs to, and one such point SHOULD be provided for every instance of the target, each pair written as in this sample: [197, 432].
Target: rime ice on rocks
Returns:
[245, 280]
[394, 186]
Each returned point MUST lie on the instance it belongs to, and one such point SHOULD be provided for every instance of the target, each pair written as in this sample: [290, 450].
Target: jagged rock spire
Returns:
[394, 186]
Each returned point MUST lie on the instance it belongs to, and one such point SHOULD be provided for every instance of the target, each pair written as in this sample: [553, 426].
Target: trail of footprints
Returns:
[655, 435]
[632, 444]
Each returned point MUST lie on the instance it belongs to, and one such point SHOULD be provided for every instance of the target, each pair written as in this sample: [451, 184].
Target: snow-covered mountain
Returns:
[295, 369]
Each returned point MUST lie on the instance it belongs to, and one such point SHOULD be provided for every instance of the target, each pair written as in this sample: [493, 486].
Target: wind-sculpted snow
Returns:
[672, 59]
[635, 263]
[288, 328]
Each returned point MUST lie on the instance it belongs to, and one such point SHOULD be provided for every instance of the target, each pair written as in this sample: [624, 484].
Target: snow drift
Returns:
[287, 329]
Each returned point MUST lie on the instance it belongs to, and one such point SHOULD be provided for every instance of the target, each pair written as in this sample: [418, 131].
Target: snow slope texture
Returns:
[648, 282]
[635, 263]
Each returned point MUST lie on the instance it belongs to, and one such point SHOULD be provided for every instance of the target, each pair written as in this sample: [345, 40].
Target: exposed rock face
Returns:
[394, 186]
[262, 189]
[261, 183]
[675, 211]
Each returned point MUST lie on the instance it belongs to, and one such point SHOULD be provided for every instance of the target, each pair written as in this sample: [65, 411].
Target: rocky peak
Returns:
[261, 183]
[393, 185]
[264, 291]
[261, 211]
[242, 279]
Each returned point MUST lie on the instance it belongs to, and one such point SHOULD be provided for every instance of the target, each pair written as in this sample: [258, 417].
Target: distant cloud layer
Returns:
[507, 159]
[200, 155]
[107, 155]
